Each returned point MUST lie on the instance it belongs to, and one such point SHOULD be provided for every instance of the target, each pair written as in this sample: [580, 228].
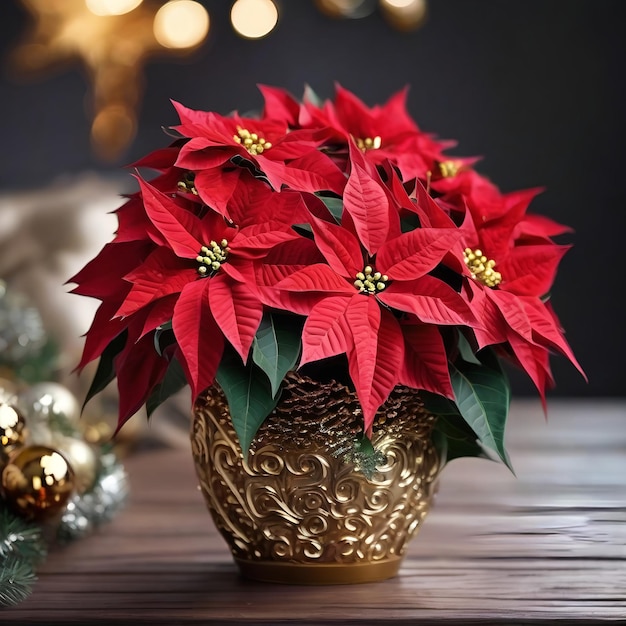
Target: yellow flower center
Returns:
[481, 267]
[251, 141]
[449, 169]
[186, 183]
[211, 257]
[368, 143]
[368, 281]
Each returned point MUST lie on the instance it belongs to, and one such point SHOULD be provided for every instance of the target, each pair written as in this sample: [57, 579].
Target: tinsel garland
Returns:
[87, 511]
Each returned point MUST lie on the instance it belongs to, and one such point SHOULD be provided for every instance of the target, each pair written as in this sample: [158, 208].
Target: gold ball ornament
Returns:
[12, 430]
[49, 407]
[82, 458]
[37, 482]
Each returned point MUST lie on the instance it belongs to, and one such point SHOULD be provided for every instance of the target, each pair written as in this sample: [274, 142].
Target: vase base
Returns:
[319, 573]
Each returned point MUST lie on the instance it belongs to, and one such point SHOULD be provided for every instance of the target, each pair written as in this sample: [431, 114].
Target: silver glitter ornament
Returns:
[22, 333]
[85, 512]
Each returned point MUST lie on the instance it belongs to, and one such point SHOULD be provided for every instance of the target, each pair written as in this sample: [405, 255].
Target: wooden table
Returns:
[546, 545]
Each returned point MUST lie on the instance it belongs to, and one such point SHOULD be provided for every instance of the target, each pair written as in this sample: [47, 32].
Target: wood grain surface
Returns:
[546, 545]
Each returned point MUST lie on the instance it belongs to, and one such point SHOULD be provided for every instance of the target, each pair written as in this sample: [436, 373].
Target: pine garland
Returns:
[16, 580]
[22, 548]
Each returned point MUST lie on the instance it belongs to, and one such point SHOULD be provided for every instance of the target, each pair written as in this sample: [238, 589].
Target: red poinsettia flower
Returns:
[200, 271]
[219, 147]
[512, 276]
[459, 184]
[383, 132]
[373, 298]
[461, 188]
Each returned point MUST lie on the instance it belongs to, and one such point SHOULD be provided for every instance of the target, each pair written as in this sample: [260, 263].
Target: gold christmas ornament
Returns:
[98, 431]
[82, 458]
[49, 407]
[12, 430]
[37, 482]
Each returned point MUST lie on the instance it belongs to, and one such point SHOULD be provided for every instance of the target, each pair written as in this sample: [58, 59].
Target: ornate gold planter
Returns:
[298, 510]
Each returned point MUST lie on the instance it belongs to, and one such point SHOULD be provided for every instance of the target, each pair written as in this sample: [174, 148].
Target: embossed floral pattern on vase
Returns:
[300, 496]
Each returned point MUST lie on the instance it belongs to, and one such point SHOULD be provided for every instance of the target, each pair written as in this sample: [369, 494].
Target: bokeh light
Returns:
[181, 24]
[404, 15]
[254, 19]
[354, 9]
[112, 7]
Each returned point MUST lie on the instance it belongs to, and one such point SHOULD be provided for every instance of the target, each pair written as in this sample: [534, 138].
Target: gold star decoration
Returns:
[112, 39]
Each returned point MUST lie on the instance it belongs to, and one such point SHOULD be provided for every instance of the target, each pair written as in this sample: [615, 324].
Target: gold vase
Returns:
[304, 507]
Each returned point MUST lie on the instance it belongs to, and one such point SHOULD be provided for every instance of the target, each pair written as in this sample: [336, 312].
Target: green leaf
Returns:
[439, 405]
[465, 350]
[489, 358]
[459, 448]
[483, 398]
[105, 372]
[334, 206]
[276, 346]
[364, 456]
[454, 439]
[249, 395]
[240, 161]
[311, 96]
[409, 222]
[303, 229]
[163, 336]
[455, 427]
[173, 381]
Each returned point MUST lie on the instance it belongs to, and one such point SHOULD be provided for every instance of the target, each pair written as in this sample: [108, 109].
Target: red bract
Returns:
[102, 278]
[280, 105]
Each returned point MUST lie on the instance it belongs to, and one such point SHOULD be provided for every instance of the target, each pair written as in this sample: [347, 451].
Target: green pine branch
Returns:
[16, 580]
[22, 548]
[20, 538]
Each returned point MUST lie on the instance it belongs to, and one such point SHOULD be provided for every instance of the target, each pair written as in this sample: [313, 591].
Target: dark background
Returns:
[536, 87]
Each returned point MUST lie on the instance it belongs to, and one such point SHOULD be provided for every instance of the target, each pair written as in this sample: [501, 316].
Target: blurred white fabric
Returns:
[46, 236]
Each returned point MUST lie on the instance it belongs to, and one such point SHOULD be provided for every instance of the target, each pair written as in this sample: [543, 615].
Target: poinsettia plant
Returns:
[331, 238]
